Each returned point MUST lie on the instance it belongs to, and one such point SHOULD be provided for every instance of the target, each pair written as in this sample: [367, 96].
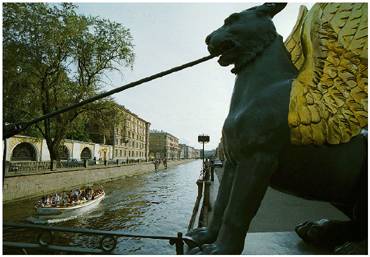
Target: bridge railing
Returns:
[199, 216]
[105, 244]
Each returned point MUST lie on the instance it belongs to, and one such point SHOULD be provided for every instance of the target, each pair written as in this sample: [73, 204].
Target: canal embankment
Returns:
[24, 187]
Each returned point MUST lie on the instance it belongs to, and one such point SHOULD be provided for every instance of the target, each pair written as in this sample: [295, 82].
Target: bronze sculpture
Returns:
[294, 122]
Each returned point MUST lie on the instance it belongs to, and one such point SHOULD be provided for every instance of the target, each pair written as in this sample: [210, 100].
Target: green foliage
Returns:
[54, 57]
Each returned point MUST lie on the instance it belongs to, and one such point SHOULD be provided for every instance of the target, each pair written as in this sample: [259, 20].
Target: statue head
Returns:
[244, 35]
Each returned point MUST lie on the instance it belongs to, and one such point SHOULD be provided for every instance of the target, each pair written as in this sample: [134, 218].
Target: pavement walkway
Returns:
[272, 229]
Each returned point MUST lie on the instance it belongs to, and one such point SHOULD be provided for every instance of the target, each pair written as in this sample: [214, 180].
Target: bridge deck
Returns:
[270, 231]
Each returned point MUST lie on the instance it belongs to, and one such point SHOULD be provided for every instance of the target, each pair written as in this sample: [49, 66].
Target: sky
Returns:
[190, 102]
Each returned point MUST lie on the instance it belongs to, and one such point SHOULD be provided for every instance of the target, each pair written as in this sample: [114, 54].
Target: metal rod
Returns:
[22, 126]
[203, 159]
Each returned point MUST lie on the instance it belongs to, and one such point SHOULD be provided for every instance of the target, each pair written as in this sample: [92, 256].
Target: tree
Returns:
[54, 57]
[98, 123]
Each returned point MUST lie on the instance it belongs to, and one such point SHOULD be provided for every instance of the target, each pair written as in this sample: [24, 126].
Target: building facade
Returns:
[130, 137]
[193, 153]
[182, 151]
[220, 154]
[129, 141]
[25, 148]
[164, 145]
[188, 152]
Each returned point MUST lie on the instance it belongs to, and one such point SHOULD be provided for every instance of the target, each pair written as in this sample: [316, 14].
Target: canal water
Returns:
[157, 203]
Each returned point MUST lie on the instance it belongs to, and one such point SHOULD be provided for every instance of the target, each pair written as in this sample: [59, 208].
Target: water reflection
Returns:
[158, 203]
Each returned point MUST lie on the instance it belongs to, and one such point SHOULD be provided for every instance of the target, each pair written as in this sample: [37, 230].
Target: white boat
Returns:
[58, 214]
[73, 210]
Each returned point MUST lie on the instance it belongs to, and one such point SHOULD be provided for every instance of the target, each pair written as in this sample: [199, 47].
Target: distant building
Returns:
[196, 153]
[183, 150]
[220, 154]
[164, 145]
[188, 152]
[208, 154]
[130, 137]
[129, 140]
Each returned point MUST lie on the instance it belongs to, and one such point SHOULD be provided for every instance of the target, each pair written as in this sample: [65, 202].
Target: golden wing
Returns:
[328, 101]
[293, 43]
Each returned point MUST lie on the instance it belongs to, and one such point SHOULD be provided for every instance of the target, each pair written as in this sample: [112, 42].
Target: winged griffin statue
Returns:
[297, 122]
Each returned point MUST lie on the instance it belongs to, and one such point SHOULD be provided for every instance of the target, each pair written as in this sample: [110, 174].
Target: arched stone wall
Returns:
[64, 153]
[86, 154]
[24, 152]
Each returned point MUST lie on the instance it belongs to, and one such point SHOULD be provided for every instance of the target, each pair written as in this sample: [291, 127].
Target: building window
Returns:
[120, 153]
[116, 152]
[125, 153]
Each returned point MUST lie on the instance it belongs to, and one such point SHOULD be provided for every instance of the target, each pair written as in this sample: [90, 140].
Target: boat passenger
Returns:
[43, 201]
[83, 195]
[56, 199]
[63, 199]
[75, 195]
[89, 195]
[48, 200]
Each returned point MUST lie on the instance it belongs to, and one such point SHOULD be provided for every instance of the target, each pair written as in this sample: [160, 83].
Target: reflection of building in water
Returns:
[130, 137]
[25, 148]
[164, 145]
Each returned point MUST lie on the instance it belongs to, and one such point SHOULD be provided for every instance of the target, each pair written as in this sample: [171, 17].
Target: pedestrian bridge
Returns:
[271, 232]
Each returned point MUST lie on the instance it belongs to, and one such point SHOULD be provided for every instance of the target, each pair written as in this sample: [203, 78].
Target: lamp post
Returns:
[203, 139]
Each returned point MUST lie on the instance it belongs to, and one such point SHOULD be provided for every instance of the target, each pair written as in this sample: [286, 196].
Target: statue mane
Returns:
[251, 51]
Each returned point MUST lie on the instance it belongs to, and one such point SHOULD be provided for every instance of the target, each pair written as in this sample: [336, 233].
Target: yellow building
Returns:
[164, 145]
[130, 137]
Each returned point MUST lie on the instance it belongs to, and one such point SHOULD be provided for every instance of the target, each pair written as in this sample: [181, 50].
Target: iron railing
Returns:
[46, 243]
[20, 168]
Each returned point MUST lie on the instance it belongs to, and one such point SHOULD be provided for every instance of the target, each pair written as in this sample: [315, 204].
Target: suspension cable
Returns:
[13, 129]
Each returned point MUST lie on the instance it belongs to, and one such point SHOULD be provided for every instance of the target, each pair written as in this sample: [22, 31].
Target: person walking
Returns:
[155, 162]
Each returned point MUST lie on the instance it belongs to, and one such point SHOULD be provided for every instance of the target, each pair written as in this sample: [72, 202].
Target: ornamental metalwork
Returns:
[105, 241]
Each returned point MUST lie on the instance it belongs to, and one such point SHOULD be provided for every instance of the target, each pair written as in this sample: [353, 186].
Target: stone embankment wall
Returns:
[23, 187]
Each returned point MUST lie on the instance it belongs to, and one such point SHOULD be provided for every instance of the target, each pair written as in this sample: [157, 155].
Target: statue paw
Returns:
[358, 248]
[209, 249]
[325, 233]
[201, 236]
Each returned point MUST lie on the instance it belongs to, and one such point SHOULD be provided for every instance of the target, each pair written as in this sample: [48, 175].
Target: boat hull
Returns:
[69, 211]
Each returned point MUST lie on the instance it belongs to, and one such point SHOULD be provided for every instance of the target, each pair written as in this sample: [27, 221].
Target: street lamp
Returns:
[203, 139]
